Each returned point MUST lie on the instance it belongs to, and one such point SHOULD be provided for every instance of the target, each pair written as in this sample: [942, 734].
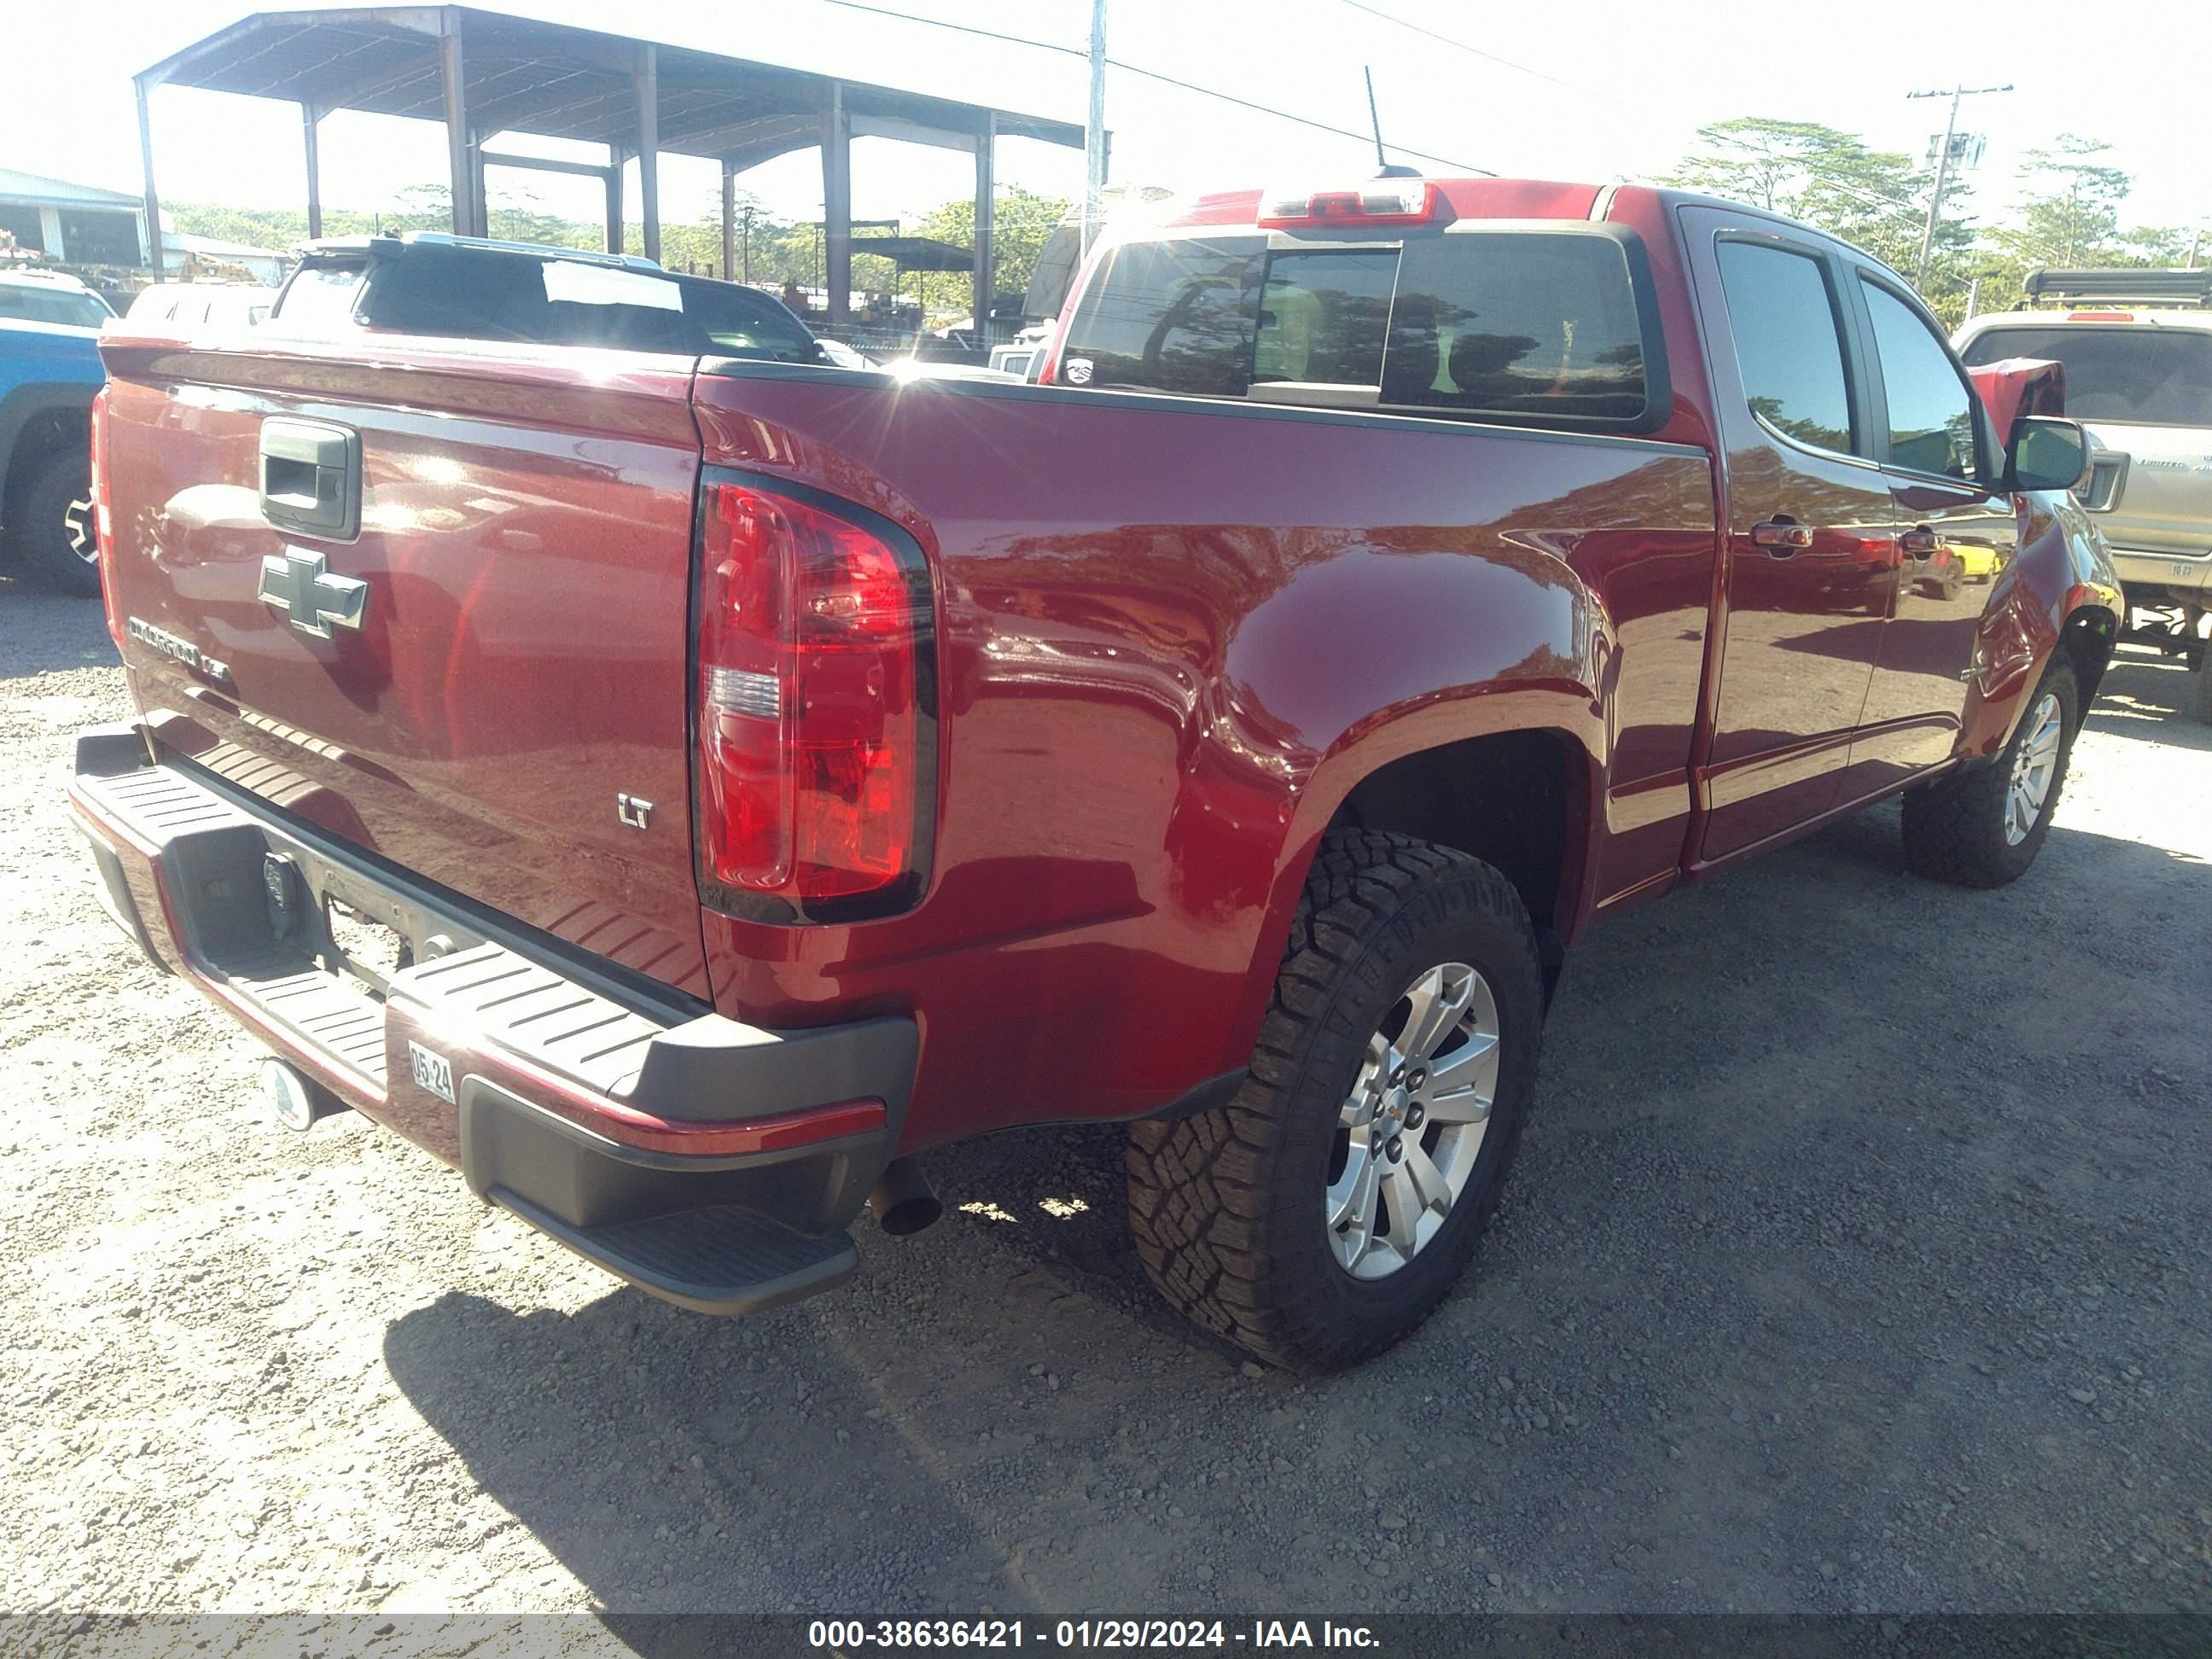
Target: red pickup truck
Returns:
[678, 784]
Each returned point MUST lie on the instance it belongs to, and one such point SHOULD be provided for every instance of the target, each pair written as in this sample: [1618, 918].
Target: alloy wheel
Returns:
[2033, 766]
[1411, 1130]
[78, 530]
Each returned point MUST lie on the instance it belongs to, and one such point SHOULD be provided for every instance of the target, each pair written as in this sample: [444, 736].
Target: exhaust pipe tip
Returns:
[296, 1100]
[903, 1202]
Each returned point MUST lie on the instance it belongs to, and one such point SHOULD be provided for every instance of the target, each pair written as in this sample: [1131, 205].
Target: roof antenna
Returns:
[1383, 168]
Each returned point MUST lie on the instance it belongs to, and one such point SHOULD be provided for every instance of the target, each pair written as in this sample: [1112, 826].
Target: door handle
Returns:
[1781, 537]
[1920, 543]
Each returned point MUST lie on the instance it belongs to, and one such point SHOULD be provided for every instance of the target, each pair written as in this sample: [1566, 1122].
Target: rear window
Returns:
[25, 303]
[483, 293]
[318, 300]
[1538, 325]
[2130, 372]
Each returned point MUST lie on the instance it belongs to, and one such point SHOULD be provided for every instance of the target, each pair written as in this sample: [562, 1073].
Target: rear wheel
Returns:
[1983, 828]
[51, 522]
[1326, 1210]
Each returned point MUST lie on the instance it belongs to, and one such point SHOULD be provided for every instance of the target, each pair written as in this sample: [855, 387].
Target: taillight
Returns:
[811, 632]
[1377, 202]
[2100, 316]
[103, 515]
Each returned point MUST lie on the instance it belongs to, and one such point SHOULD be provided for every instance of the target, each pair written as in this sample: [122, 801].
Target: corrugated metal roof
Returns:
[556, 82]
[15, 187]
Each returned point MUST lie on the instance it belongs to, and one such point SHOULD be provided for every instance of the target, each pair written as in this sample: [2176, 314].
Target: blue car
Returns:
[49, 370]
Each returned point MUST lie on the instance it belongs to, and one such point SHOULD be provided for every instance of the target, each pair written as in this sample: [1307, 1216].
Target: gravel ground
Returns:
[1856, 1260]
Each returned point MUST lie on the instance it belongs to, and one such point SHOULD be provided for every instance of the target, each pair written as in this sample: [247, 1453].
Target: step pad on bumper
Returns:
[719, 1260]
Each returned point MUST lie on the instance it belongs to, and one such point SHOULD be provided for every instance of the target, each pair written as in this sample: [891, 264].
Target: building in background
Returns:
[202, 257]
[78, 224]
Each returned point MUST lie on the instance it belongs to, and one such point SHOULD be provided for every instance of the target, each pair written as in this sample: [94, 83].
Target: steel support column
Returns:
[648, 145]
[729, 221]
[146, 165]
[616, 160]
[458, 167]
[985, 289]
[309, 124]
[837, 203]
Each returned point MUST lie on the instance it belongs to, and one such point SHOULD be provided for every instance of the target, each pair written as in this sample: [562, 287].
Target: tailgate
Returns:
[481, 674]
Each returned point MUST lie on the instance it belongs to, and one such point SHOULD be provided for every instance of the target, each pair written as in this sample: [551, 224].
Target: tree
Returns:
[1875, 200]
[1020, 222]
[1817, 174]
[2072, 216]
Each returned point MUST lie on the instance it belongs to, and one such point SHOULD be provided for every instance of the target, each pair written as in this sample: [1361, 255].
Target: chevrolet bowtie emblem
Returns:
[299, 582]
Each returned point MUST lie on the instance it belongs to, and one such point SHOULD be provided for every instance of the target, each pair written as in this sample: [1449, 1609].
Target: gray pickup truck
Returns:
[2137, 350]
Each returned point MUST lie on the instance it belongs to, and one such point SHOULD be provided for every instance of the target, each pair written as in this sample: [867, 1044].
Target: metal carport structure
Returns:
[484, 73]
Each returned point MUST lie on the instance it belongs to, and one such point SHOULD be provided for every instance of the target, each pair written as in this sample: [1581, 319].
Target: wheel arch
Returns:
[36, 420]
[1518, 794]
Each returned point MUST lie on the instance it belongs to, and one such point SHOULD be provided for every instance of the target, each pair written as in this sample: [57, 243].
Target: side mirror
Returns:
[2045, 453]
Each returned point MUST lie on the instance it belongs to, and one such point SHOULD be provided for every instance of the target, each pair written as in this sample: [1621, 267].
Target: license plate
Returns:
[432, 1072]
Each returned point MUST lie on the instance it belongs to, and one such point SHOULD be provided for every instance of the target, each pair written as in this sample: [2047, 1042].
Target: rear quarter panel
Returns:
[1172, 637]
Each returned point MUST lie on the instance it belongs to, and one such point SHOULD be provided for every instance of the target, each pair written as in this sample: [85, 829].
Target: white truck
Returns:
[2137, 350]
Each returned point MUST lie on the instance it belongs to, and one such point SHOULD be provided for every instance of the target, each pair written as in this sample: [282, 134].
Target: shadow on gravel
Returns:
[1849, 1265]
[42, 631]
[2147, 695]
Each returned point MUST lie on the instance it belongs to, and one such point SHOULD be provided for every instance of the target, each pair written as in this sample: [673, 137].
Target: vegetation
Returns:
[2070, 214]
[776, 251]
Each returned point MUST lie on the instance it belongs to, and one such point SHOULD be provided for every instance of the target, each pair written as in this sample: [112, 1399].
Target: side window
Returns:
[1931, 412]
[1788, 343]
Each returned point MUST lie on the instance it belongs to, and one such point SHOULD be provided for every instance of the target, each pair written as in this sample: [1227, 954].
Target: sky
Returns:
[1589, 89]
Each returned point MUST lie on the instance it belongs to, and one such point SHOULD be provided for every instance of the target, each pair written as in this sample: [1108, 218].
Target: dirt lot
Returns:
[1859, 1257]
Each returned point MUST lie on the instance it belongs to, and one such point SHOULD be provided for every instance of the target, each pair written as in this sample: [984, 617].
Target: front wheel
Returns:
[1326, 1209]
[1983, 828]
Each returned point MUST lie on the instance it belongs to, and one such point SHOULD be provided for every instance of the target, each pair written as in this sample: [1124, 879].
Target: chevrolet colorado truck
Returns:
[681, 790]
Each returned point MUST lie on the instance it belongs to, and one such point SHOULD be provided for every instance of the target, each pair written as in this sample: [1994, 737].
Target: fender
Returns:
[26, 402]
[2062, 572]
[1544, 657]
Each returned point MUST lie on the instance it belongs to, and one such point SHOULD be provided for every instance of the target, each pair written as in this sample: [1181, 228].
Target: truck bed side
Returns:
[1175, 635]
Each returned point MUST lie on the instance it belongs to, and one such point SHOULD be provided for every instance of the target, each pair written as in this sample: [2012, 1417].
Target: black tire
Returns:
[1226, 1206]
[1955, 827]
[49, 517]
[2201, 704]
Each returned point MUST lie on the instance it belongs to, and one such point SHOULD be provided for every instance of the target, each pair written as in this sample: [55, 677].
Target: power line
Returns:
[959, 28]
[1285, 115]
[1476, 52]
[1165, 80]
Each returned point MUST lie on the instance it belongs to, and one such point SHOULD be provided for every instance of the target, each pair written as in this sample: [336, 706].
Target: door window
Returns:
[1788, 343]
[1930, 410]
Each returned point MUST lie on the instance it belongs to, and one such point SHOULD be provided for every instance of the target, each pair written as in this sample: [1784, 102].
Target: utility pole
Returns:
[1094, 130]
[746, 220]
[1943, 169]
